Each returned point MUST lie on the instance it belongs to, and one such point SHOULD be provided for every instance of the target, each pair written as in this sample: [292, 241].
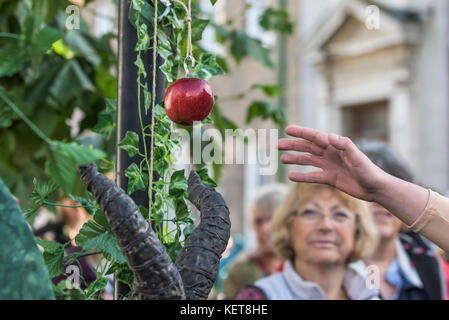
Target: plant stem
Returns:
[9, 35]
[25, 118]
[62, 205]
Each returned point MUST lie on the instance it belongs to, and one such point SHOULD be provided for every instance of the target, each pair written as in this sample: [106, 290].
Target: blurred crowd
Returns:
[316, 242]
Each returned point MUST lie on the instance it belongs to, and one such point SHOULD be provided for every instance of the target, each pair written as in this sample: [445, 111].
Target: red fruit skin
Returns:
[188, 100]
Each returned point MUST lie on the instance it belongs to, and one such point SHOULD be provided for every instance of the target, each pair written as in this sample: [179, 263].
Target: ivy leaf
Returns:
[207, 67]
[276, 20]
[178, 184]
[130, 143]
[213, 2]
[140, 66]
[198, 26]
[188, 229]
[207, 181]
[63, 160]
[53, 255]
[265, 110]
[92, 236]
[167, 69]
[136, 179]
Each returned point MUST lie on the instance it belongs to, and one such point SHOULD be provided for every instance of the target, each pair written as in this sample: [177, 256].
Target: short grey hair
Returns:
[269, 197]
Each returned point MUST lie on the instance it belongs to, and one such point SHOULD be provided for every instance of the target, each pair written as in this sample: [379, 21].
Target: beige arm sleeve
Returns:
[433, 223]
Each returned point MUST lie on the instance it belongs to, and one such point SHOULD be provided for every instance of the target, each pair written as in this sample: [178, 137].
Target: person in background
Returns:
[409, 267]
[345, 167]
[322, 234]
[247, 268]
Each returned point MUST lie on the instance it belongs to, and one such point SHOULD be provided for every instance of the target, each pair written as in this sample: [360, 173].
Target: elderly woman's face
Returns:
[323, 230]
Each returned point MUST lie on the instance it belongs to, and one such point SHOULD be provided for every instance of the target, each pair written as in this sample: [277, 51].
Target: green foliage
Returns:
[53, 255]
[94, 236]
[265, 111]
[130, 143]
[47, 71]
[276, 20]
[64, 159]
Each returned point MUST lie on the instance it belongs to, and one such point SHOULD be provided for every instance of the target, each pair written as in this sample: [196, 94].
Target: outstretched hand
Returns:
[343, 165]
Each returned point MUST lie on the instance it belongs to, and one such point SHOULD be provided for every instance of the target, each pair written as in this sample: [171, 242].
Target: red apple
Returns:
[188, 100]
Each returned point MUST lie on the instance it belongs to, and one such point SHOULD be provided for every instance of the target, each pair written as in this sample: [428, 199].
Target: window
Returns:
[366, 121]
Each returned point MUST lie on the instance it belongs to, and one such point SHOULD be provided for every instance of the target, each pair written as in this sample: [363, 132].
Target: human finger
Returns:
[314, 177]
[300, 145]
[302, 159]
[315, 136]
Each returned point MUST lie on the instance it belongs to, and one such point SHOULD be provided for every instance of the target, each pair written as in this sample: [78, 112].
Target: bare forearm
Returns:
[403, 199]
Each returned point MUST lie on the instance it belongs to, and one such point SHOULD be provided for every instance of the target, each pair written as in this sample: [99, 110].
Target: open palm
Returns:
[344, 166]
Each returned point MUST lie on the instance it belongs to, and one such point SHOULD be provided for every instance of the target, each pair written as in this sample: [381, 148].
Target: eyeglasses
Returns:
[315, 216]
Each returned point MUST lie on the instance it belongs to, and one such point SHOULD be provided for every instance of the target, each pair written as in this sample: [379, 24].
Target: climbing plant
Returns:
[57, 70]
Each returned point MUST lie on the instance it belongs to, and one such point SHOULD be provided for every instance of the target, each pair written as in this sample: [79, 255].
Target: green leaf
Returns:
[98, 285]
[242, 46]
[70, 82]
[178, 184]
[198, 26]
[107, 120]
[136, 179]
[79, 43]
[31, 212]
[271, 90]
[53, 255]
[122, 273]
[64, 159]
[41, 191]
[12, 59]
[213, 2]
[45, 38]
[188, 229]
[49, 246]
[140, 66]
[276, 20]
[92, 236]
[100, 218]
[144, 212]
[207, 181]
[265, 110]
[207, 67]
[89, 203]
[130, 143]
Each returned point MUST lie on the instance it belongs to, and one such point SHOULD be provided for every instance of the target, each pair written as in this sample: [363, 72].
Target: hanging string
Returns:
[153, 96]
[189, 53]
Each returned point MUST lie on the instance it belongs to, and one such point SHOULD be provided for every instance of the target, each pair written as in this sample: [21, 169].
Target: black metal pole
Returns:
[127, 106]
